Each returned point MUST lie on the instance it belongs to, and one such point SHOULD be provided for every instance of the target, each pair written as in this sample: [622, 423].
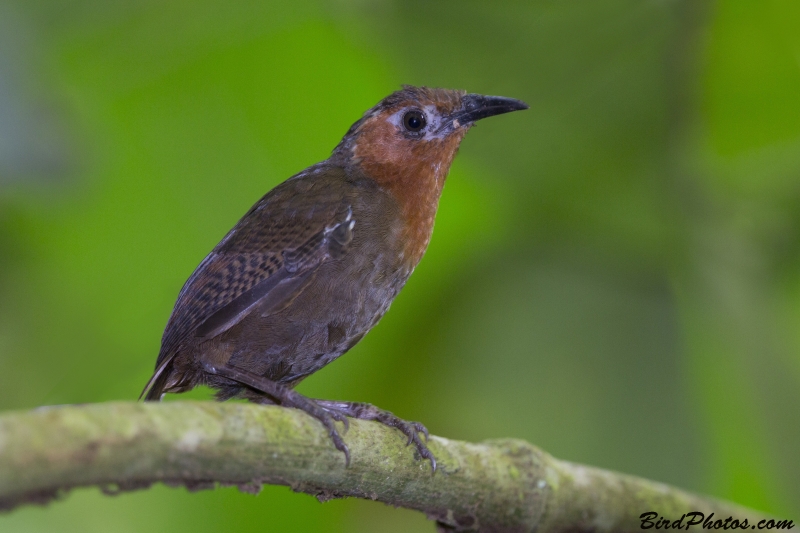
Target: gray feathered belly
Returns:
[345, 299]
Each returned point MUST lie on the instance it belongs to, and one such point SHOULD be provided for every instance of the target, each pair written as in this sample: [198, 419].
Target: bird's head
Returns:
[406, 144]
[416, 131]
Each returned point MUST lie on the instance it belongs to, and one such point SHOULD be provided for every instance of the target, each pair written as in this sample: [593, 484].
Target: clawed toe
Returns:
[412, 430]
[341, 446]
[339, 417]
[421, 429]
[425, 453]
[327, 418]
[365, 411]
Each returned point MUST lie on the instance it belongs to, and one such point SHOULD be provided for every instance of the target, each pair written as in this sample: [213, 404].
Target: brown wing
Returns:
[265, 260]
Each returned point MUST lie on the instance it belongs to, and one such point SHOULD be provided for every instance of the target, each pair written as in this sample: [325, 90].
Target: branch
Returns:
[501, 485]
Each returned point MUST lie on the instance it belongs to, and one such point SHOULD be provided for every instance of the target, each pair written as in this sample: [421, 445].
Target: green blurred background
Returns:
[614, 275]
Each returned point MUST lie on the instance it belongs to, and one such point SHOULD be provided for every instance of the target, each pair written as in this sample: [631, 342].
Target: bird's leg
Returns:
[286, 397]
[365, 411]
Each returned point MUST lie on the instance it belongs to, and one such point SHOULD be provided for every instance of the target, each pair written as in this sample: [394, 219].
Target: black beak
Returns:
[476, 106]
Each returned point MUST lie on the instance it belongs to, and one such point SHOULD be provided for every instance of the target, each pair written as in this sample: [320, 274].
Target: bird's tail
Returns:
[154, 389]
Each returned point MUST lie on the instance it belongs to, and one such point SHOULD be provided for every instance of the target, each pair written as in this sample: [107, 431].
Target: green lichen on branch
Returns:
[502, 485]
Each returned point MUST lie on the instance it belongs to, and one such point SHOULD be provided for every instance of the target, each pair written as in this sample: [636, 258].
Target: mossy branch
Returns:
[501, 485]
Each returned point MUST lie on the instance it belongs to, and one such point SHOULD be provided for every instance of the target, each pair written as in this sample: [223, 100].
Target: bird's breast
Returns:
[412, 171]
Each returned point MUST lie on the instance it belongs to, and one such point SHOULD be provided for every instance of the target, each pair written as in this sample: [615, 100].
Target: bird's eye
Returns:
[414, 121]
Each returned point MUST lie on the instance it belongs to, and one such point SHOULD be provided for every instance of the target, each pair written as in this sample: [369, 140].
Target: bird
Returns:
[318, 260]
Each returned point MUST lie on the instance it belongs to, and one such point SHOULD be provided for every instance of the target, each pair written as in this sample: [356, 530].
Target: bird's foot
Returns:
[365, 411]
[326, 418]
[288, 397]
